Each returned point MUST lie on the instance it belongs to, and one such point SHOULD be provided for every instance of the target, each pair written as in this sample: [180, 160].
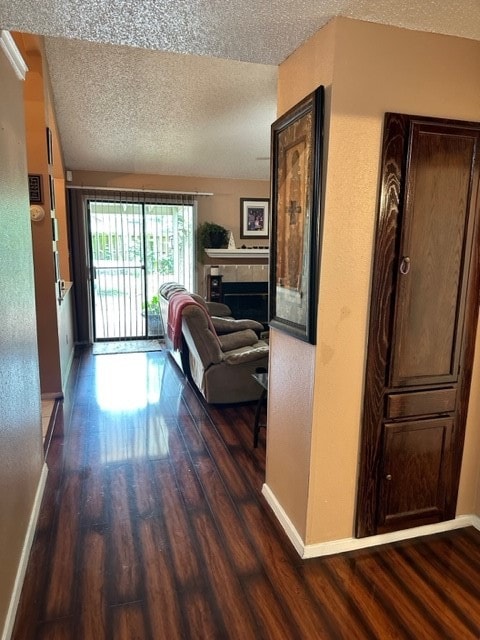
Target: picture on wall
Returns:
[296, 142]
[254, 214]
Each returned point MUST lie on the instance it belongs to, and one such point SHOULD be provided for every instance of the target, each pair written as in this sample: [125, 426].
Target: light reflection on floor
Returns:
[127, 382]
[128, 391]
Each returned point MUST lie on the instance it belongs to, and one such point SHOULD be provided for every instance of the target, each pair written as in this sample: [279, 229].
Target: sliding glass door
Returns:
[134, 248]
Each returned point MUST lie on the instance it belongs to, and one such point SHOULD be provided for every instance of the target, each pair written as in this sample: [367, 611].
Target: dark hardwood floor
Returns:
[153, 527]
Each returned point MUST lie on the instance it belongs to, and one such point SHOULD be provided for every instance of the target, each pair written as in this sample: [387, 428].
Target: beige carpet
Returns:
[126, 346]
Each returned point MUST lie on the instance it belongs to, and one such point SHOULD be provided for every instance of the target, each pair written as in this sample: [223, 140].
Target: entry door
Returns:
[422, 324]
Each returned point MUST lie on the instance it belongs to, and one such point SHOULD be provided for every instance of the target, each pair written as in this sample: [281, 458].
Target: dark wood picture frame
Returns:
[254, 217]
[296, 220]
[35, 188]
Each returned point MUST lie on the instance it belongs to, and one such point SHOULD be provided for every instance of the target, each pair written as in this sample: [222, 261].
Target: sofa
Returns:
[216, 352]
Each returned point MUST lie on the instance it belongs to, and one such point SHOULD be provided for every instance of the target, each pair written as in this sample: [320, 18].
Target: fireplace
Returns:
[247, 300]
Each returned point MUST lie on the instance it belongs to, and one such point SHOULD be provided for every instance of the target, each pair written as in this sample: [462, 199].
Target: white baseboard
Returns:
[66, 373]
[22, 566]
[284, 520]
[352, 544]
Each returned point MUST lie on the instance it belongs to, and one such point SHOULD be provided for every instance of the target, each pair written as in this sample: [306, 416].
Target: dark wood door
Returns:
[433, 255]
[414, 475]
[422, 324]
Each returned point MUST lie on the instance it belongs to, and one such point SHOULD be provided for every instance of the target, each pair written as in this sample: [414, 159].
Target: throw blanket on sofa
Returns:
[176, 304]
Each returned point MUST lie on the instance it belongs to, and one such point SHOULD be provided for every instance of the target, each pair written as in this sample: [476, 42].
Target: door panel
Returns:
[429, 294]
[118, 264]
[416, 463]
[421, 403]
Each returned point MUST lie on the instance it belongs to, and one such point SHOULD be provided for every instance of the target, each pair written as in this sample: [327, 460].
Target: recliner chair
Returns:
[221, 366]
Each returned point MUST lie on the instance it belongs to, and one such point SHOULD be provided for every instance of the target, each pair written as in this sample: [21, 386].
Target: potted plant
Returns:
[151, 309]
[212, 236]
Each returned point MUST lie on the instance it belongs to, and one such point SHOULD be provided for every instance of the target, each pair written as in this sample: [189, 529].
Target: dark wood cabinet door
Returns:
[423, 319]
[434, 253]
[416, 464]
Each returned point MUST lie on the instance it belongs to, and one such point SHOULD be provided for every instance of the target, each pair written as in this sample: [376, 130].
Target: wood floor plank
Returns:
[231, 473]
[124, 563]
[177, 525]
[187, 480]
[459, 590]
[144, 490]
[404, 612]
[200, 618]
[57, 630]
[365, 598]
[290, 587]
[231, 599]
[31, 607]
[432, 600]
[229, 523]
[93, 498]
[129, 622]
[92, 596]
[61, 584]
[160, 586]
[336, 604]
[269, 611]
[466, 543]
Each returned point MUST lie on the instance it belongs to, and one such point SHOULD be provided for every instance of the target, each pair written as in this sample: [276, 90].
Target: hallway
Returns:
[153, 527]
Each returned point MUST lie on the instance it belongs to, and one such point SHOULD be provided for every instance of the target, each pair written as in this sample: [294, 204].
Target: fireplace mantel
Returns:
[237, 253]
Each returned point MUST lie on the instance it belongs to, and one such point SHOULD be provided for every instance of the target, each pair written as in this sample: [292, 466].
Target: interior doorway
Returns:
[134, 248]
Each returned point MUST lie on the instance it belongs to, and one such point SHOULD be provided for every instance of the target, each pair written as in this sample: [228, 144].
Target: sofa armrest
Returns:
[238, 339]
[229, 325]
[247, 354]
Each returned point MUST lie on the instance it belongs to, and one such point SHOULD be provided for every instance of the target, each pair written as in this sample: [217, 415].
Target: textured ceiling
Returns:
[149, 107]
[132, 110]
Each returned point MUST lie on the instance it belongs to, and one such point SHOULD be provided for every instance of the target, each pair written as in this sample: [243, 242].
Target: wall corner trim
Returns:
[8, 46]
[22, 566]
[352, 544]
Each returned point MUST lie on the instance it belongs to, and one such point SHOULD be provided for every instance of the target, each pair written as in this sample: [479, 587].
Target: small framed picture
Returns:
[254, 215]
[35, 188]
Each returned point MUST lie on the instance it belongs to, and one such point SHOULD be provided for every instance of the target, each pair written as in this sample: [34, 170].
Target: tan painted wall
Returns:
[39, 114]
[292, 362]
[375, 69]
[21, 454]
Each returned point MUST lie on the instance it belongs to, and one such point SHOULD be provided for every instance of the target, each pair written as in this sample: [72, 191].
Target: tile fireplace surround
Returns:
[243, 273]
[239, 272]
